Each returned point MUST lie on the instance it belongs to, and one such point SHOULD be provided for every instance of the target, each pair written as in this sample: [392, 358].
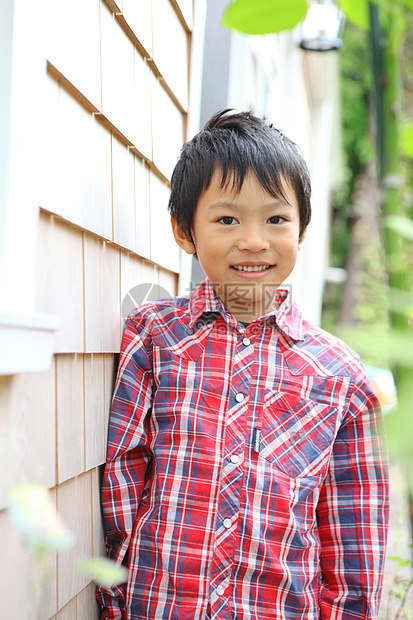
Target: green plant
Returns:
[34, 515]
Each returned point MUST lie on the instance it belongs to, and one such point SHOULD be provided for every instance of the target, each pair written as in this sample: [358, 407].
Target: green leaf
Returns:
[263, 16]
[104, 571]
[406, 139]
[33, 512]
[357, 11]
[400, 224]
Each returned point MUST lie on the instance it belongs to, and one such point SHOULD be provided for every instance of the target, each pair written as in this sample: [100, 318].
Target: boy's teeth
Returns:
[249, 268]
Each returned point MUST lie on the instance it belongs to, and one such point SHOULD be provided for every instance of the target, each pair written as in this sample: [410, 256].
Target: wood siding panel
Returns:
[164, 249]
[110, 298]
[29, 594]
[102, 296]
[77, 170]
[95, 447]
[123, 167]
[169, 281]
[87, 606]
[70, 416]
[138, 15]
[14, 569]
[68, 612]
[60, 280]
[142, 209]
[75, 508]
[27, 430]
[172, 59]
[135, 271]
[142, 106]
[97, 521]
[167, 129]
[92, 250]
[73, 44]
[118, 86]
[185, 7]
[110, 368]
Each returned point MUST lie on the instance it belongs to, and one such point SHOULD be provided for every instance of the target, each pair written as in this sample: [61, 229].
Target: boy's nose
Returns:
[253, 239]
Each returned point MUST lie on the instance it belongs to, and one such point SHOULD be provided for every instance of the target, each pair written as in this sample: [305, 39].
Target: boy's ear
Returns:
[181, 238]
[302, 237]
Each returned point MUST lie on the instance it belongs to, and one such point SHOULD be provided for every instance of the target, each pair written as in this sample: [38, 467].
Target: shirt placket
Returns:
[226, 533]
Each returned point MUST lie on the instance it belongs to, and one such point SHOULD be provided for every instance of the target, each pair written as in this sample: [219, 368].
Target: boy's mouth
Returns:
[247, 268]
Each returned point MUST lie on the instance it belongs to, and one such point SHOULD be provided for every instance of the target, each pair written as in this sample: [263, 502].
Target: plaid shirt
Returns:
[244, 476]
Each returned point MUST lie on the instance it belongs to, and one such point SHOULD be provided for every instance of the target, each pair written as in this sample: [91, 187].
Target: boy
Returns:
[244, 476]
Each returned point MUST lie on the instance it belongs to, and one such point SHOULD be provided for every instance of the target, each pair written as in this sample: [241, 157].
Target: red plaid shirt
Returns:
[244, 476]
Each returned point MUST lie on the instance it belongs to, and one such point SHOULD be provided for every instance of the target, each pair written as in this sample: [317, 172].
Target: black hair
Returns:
[236, 143]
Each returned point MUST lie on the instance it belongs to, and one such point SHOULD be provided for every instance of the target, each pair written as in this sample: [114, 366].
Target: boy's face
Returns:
[247, 243]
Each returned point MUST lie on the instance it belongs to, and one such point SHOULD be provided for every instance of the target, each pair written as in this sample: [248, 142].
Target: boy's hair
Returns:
[236, 144]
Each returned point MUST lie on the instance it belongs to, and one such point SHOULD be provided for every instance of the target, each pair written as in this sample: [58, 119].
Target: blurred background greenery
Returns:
[373, 309]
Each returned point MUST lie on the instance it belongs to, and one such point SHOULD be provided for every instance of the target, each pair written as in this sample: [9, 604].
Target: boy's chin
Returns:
[250, 305]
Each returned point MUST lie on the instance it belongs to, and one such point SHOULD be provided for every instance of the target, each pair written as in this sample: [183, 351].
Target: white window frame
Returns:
[26, 337]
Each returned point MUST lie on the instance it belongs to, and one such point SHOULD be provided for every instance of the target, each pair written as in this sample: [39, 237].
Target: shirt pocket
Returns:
[296, 434]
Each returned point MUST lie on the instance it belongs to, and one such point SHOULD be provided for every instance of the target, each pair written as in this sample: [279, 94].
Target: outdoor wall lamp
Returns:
[322, 27]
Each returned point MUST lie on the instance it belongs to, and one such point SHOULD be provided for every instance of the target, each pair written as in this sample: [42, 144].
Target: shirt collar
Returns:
[286, 315]
[203, 301]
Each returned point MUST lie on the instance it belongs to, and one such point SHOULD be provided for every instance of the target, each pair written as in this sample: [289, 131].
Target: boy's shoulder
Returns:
[165, 321]
[160, 310]
[322, 353]
[319, 352]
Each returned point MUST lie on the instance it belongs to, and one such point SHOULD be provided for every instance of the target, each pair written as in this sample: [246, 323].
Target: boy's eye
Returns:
[227, 220]
[276, 219]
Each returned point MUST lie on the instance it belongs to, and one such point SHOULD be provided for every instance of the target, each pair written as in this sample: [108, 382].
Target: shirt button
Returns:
[246, 341]
[235, 458]
[220, 590]
[226, 523]
[239, 397]
[298, 437]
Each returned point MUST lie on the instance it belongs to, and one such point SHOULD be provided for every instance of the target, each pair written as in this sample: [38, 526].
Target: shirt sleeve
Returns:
[353, 512]
[128, 459]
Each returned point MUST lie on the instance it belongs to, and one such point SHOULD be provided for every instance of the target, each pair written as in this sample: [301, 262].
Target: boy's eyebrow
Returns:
[216, 205]
[278, 202]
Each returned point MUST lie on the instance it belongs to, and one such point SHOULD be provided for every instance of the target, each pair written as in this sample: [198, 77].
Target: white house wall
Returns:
[100, 93]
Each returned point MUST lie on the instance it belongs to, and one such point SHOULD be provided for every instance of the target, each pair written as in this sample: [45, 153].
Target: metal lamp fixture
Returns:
[322, 27]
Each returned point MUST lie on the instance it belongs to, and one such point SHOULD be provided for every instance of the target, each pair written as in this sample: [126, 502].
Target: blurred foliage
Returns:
[406, 129]
[267, 16]
[357, 11]
[33, 512]
[371, 335]
[103, 571]
[263, 16]
[356, 87]
[372, 298]
[34, 515]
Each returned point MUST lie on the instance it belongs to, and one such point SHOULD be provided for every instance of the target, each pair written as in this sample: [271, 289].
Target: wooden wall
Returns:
[115, 101]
